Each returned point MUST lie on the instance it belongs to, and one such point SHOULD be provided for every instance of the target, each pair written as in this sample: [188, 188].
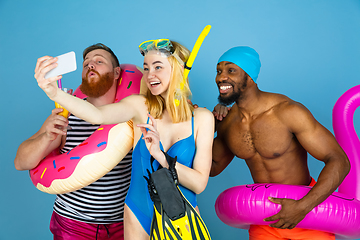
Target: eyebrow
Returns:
[154, 62]
[95, 56]
[227, 63]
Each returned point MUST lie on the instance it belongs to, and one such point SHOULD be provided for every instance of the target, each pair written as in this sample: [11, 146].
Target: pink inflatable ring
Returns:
[97, 155]
[242, 206]
[245, 205]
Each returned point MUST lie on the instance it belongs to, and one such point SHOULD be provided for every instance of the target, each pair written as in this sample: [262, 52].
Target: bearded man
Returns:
[273, 134]
[95, 211]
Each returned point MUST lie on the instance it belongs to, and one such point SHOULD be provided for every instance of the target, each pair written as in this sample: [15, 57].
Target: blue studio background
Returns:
[309, 51]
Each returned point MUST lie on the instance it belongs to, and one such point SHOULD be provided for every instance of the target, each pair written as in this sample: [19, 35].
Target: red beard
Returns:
[97, 88]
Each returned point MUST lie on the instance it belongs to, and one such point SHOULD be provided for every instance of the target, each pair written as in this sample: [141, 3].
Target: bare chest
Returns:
[265, 135]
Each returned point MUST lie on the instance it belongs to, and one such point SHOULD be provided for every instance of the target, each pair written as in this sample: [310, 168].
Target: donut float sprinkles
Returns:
[242, 206]
[98, 154]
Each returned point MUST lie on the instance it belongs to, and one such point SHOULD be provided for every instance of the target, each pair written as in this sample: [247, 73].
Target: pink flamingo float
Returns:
[241, 206]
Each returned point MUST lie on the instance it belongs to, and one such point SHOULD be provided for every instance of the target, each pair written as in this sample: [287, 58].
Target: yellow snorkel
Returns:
[195, 50]
[192, 57]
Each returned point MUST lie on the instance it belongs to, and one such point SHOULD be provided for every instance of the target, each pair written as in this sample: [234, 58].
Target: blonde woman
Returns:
[164, 123]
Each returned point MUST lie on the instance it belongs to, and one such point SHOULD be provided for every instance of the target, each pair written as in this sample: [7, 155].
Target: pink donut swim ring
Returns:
[242, 206]
[97, 155]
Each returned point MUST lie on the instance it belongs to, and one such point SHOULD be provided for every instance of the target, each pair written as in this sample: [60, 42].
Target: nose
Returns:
[222, 76]
[91, 65]
[150, 74]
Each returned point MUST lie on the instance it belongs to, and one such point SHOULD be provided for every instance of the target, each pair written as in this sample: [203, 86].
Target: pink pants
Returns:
[68, 229]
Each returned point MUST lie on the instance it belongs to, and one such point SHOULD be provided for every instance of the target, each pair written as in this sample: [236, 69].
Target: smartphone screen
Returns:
[66, 63]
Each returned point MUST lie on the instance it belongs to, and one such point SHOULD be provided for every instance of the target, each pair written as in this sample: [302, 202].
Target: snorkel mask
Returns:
[160, 46]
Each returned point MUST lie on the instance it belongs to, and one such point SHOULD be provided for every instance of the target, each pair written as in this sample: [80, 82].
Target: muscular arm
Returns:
[321, 144]
[221, 155]
[47, 139]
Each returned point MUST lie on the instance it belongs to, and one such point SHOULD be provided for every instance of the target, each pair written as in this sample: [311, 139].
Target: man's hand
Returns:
[220, 111]
[290, 215]
[55, 124]
[194, 105]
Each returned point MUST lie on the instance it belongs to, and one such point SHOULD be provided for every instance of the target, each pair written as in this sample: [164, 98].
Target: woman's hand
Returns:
[43, 66]
[152, 140]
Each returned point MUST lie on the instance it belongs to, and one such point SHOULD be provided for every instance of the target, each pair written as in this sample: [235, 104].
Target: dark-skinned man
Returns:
[273, 134]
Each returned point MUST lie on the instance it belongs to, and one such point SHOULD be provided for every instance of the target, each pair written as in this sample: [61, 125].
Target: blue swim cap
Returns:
[244, 57]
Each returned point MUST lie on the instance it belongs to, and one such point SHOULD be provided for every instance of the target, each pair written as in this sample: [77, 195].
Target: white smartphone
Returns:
[66, 63]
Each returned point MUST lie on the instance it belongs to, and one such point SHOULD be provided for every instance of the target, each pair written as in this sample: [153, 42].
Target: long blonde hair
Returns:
[178, 93]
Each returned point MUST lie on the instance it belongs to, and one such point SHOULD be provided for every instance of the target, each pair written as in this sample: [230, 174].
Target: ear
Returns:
[250, 79]
[117, 71]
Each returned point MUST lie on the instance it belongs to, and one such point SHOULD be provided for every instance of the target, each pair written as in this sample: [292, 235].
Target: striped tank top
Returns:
[102, 202]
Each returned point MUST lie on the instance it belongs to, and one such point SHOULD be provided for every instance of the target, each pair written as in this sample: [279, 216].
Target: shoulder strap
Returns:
[192, 125]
